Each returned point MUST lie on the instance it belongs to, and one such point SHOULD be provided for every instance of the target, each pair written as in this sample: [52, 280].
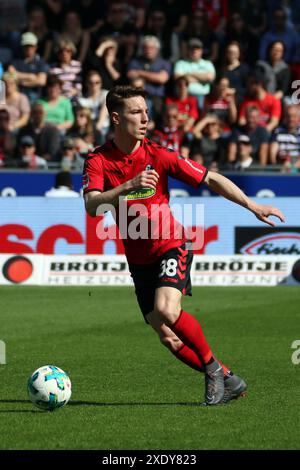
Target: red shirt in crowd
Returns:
[215, 10]
[269, 107]
[187, 108]
[170, 137]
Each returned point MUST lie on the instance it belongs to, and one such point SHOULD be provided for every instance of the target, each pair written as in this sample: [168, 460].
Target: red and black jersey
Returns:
[108, 167]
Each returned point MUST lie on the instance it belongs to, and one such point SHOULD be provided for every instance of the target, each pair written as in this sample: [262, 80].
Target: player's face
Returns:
[133, 119]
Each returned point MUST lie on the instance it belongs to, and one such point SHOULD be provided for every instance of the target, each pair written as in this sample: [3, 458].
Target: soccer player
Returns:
[131, 170]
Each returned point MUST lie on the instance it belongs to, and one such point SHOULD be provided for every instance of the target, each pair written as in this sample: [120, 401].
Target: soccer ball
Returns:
[49, 387]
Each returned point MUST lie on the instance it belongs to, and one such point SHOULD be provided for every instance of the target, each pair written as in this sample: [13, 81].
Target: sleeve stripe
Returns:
[194, 168]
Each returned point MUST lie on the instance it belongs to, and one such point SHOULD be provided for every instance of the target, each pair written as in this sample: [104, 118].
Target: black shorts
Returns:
[172, 269]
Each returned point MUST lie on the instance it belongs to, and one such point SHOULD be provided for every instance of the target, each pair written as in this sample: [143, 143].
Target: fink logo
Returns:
[2, 352]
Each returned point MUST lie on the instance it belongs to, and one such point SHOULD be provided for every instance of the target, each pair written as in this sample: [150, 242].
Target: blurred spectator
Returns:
[37, 24]
[277, 72]
[254, 13]
[195, 155]
[6, 53]
[72, 30]
[285, 141]
[169, 133]
[292, 8]
[31, 70]
[137, 82]
[94, 100]
[118, 27]
[176, 11]
[91, 13]
[70, 157]
[238, 31]
[27, 155]
[7, 139]
[209, 141]
[198, 28]
[63, 186]
[154, 70]
[280, 31]
[105, 61]
[221, 101]
[235, 70]
[83, 131]
[216, 13]
[12, 20]
[187, 105]
[45, 135]
[67, 69]
[157, 25]
[16, 103]
[54, 11]
[137, 12]
[12, 15]
[199, 72]
[244, 153]
[269, 106]
[58, 108]
[258, 135]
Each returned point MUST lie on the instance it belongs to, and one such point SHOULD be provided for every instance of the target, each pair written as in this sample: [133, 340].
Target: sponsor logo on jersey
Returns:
[149, 167]
[143, 193]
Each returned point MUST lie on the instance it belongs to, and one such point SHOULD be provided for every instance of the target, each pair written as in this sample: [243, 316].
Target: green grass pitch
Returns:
[129, 392]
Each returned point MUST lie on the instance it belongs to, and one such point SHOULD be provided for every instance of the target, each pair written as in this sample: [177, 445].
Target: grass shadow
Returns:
[96, 403]
[130, 403]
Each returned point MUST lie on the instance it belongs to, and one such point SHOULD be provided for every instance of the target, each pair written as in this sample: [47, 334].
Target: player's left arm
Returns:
[226, 188]
[193, 173]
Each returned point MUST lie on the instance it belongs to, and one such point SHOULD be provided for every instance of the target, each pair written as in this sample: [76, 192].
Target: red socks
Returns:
[188, 329]
[187, 354]
[188, 357]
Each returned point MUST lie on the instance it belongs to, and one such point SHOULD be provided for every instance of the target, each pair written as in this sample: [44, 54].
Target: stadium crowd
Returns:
[222, 76]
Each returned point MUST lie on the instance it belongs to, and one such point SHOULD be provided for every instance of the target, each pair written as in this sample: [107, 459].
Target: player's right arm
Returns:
[93, 187]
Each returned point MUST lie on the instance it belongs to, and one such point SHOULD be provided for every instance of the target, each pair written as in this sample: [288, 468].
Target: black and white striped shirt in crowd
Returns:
[288, 142]
[70, 75]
